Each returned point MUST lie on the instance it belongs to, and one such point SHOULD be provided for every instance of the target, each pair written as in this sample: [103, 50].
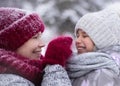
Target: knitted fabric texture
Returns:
[103, 27]
[55, 75]
[16, 27]
[58, 51]
[83, 64]
[12, 63]
[14, 80]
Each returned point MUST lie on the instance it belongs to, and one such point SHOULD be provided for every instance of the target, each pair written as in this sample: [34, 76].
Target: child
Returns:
[96, 62]
[20, 45]
[98, 48]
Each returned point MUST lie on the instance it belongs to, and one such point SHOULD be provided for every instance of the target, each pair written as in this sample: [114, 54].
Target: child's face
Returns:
[32, 48]
[83, 42]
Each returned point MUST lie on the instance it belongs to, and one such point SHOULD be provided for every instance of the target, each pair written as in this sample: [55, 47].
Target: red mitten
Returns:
[58, 51]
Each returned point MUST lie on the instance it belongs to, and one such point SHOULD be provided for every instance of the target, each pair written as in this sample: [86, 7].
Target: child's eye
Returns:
[85, 35]
[77, 35]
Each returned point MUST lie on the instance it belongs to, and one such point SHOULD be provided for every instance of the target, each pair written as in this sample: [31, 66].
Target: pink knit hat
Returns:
[16, 27]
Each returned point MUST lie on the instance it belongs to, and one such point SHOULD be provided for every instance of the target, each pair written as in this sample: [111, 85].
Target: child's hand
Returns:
[58, 51]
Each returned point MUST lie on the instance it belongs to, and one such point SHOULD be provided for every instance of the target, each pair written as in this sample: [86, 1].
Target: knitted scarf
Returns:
[79, 65]
[12, 63]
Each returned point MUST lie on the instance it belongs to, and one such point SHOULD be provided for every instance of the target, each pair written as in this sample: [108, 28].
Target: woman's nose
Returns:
[41, 44]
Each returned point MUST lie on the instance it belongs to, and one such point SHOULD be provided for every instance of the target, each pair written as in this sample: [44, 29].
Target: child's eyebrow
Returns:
[83, 32]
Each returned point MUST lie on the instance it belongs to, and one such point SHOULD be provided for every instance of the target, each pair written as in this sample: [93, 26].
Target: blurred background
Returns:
[59, 16]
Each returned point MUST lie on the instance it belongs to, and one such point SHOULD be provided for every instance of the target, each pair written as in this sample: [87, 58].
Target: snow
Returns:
[55, 13]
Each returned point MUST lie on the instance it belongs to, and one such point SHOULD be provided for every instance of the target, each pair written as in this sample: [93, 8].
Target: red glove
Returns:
[58, 51]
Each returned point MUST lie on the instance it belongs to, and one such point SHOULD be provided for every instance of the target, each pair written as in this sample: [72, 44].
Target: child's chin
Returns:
[81, 52]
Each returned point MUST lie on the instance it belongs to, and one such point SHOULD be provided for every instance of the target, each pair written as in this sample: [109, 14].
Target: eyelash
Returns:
[36, 37]
[83, 36]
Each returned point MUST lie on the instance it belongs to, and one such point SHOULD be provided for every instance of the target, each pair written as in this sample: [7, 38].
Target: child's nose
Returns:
[79, 40]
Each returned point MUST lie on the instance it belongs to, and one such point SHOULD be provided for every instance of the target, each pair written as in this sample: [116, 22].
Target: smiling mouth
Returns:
[81, 48]
[38, 51]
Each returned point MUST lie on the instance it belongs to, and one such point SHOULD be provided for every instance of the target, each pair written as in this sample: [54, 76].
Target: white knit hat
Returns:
[103, 27]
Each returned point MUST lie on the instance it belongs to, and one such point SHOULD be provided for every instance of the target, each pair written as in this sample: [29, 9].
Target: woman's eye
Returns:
[35, 37]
